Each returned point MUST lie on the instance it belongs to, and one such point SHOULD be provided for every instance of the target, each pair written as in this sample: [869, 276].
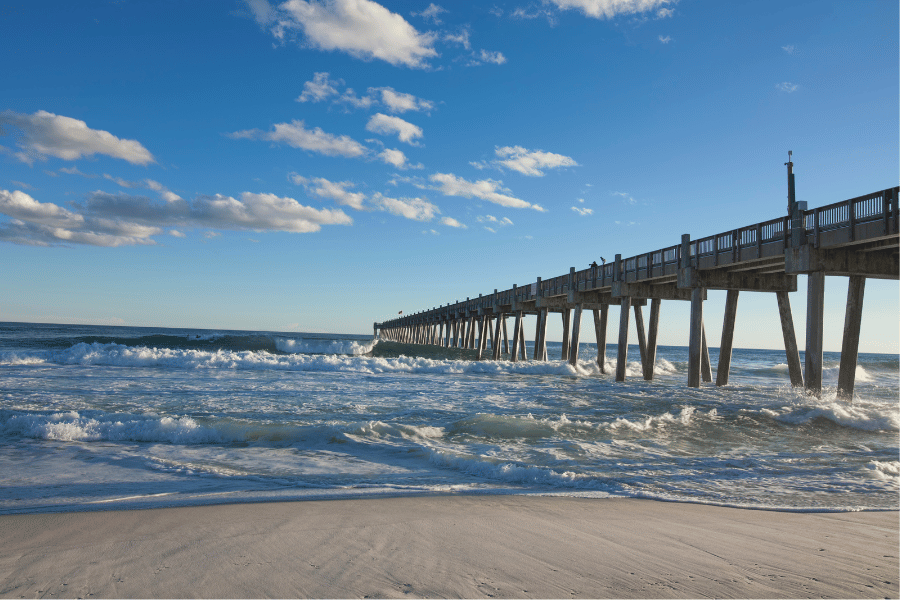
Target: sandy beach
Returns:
[450, 546]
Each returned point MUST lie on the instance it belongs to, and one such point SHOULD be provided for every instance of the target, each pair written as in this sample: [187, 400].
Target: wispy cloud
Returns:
[665, 39]
[296, 135]
[332, 190]
[484, 56]
[527, 162]
[501, 222]
[485, 189]
[147, 184]
[432, 13]
[608, 9]
[790, 49]
[323, 88]
[361, 28]
[583, 211]
[417, 209]
[626, 197]
[398, 159]
[787, 87]
[451, 222]
[45, 134]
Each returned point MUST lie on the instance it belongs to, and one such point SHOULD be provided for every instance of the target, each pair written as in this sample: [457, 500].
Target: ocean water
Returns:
[96, 418]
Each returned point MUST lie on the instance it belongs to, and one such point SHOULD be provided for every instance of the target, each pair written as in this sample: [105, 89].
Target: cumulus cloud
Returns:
[400, 102]
[385, 125]
[361, 28]
[46, 134]
[608, 9]
[331, 190]
[397, 159]
[451, 222]
[417, 209]
[125, 220]
[583, 211]
[485, 189]
[319, 89]
[296, 135]
[527, 162]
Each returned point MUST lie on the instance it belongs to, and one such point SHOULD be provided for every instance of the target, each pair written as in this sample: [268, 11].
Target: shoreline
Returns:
[451, 546]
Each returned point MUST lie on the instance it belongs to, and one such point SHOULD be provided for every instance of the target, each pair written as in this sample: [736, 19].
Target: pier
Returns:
[855, 238]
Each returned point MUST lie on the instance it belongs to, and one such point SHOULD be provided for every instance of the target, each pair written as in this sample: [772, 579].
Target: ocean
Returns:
[98, 418]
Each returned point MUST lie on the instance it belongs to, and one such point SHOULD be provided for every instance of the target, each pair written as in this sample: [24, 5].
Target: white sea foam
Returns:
[73, 427]
[319, 346]
[858, 415]
[19, 358]
[684, 417]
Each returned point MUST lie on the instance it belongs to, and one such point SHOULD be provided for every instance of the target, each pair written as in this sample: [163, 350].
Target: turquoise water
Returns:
[98, 417]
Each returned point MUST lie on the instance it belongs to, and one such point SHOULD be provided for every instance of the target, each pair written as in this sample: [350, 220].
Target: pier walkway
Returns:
[856, 238]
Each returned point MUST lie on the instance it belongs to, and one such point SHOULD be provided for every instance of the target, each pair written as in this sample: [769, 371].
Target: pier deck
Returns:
[857, 238]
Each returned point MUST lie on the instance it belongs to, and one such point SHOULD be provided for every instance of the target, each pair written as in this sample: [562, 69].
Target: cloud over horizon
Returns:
[46, 134]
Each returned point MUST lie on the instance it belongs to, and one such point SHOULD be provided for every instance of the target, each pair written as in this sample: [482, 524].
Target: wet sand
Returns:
[450, 546]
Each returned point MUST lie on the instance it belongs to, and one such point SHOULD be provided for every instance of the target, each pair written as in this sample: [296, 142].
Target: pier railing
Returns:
[728, 247]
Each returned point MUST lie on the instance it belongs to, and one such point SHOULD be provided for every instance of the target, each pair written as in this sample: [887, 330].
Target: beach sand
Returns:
[450, 546]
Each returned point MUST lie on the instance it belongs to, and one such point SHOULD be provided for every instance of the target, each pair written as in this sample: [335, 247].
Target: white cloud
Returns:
[530, 162]
[147, 184]
[397, 159]
[626, 197]
[385, 125]
[502, 222]
[451, 222]
[74, 171]
[350, 97]
[124, 220]
[787, 87]
[665, 39]
[663, 13]
[483, 56]
[607, 9]
[400, 102]
[361, 28]
[431, 13]
[46, 134]
[417, 209]
[332, 190]
[295, 134]
[790, 49]
[461, 38]
[319, 89]
[485, 189]
[583, 211]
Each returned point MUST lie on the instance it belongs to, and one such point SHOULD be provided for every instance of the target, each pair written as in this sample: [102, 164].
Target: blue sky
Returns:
[317, 166]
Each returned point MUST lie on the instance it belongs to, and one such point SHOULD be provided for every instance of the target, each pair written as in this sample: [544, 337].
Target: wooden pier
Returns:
[856, 238]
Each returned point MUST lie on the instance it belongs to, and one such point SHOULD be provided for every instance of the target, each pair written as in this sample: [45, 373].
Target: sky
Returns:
[322, 165]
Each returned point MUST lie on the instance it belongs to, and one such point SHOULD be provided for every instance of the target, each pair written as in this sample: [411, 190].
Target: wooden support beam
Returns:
[792, 353]
[642, 338]
[536, 353]
[728, 279]
[622, 355]
[724, 367]
[600, 319]
[695, 343]
[815, 322]
[471, 343]
[522, 339]
[565, 335]
[576, 333]
[850, 346]
[517, 334]
[482, 338]
[505, 336]
[495, 344]
[662, 291]
[651, 337]
[705, 366]
[544, 314]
